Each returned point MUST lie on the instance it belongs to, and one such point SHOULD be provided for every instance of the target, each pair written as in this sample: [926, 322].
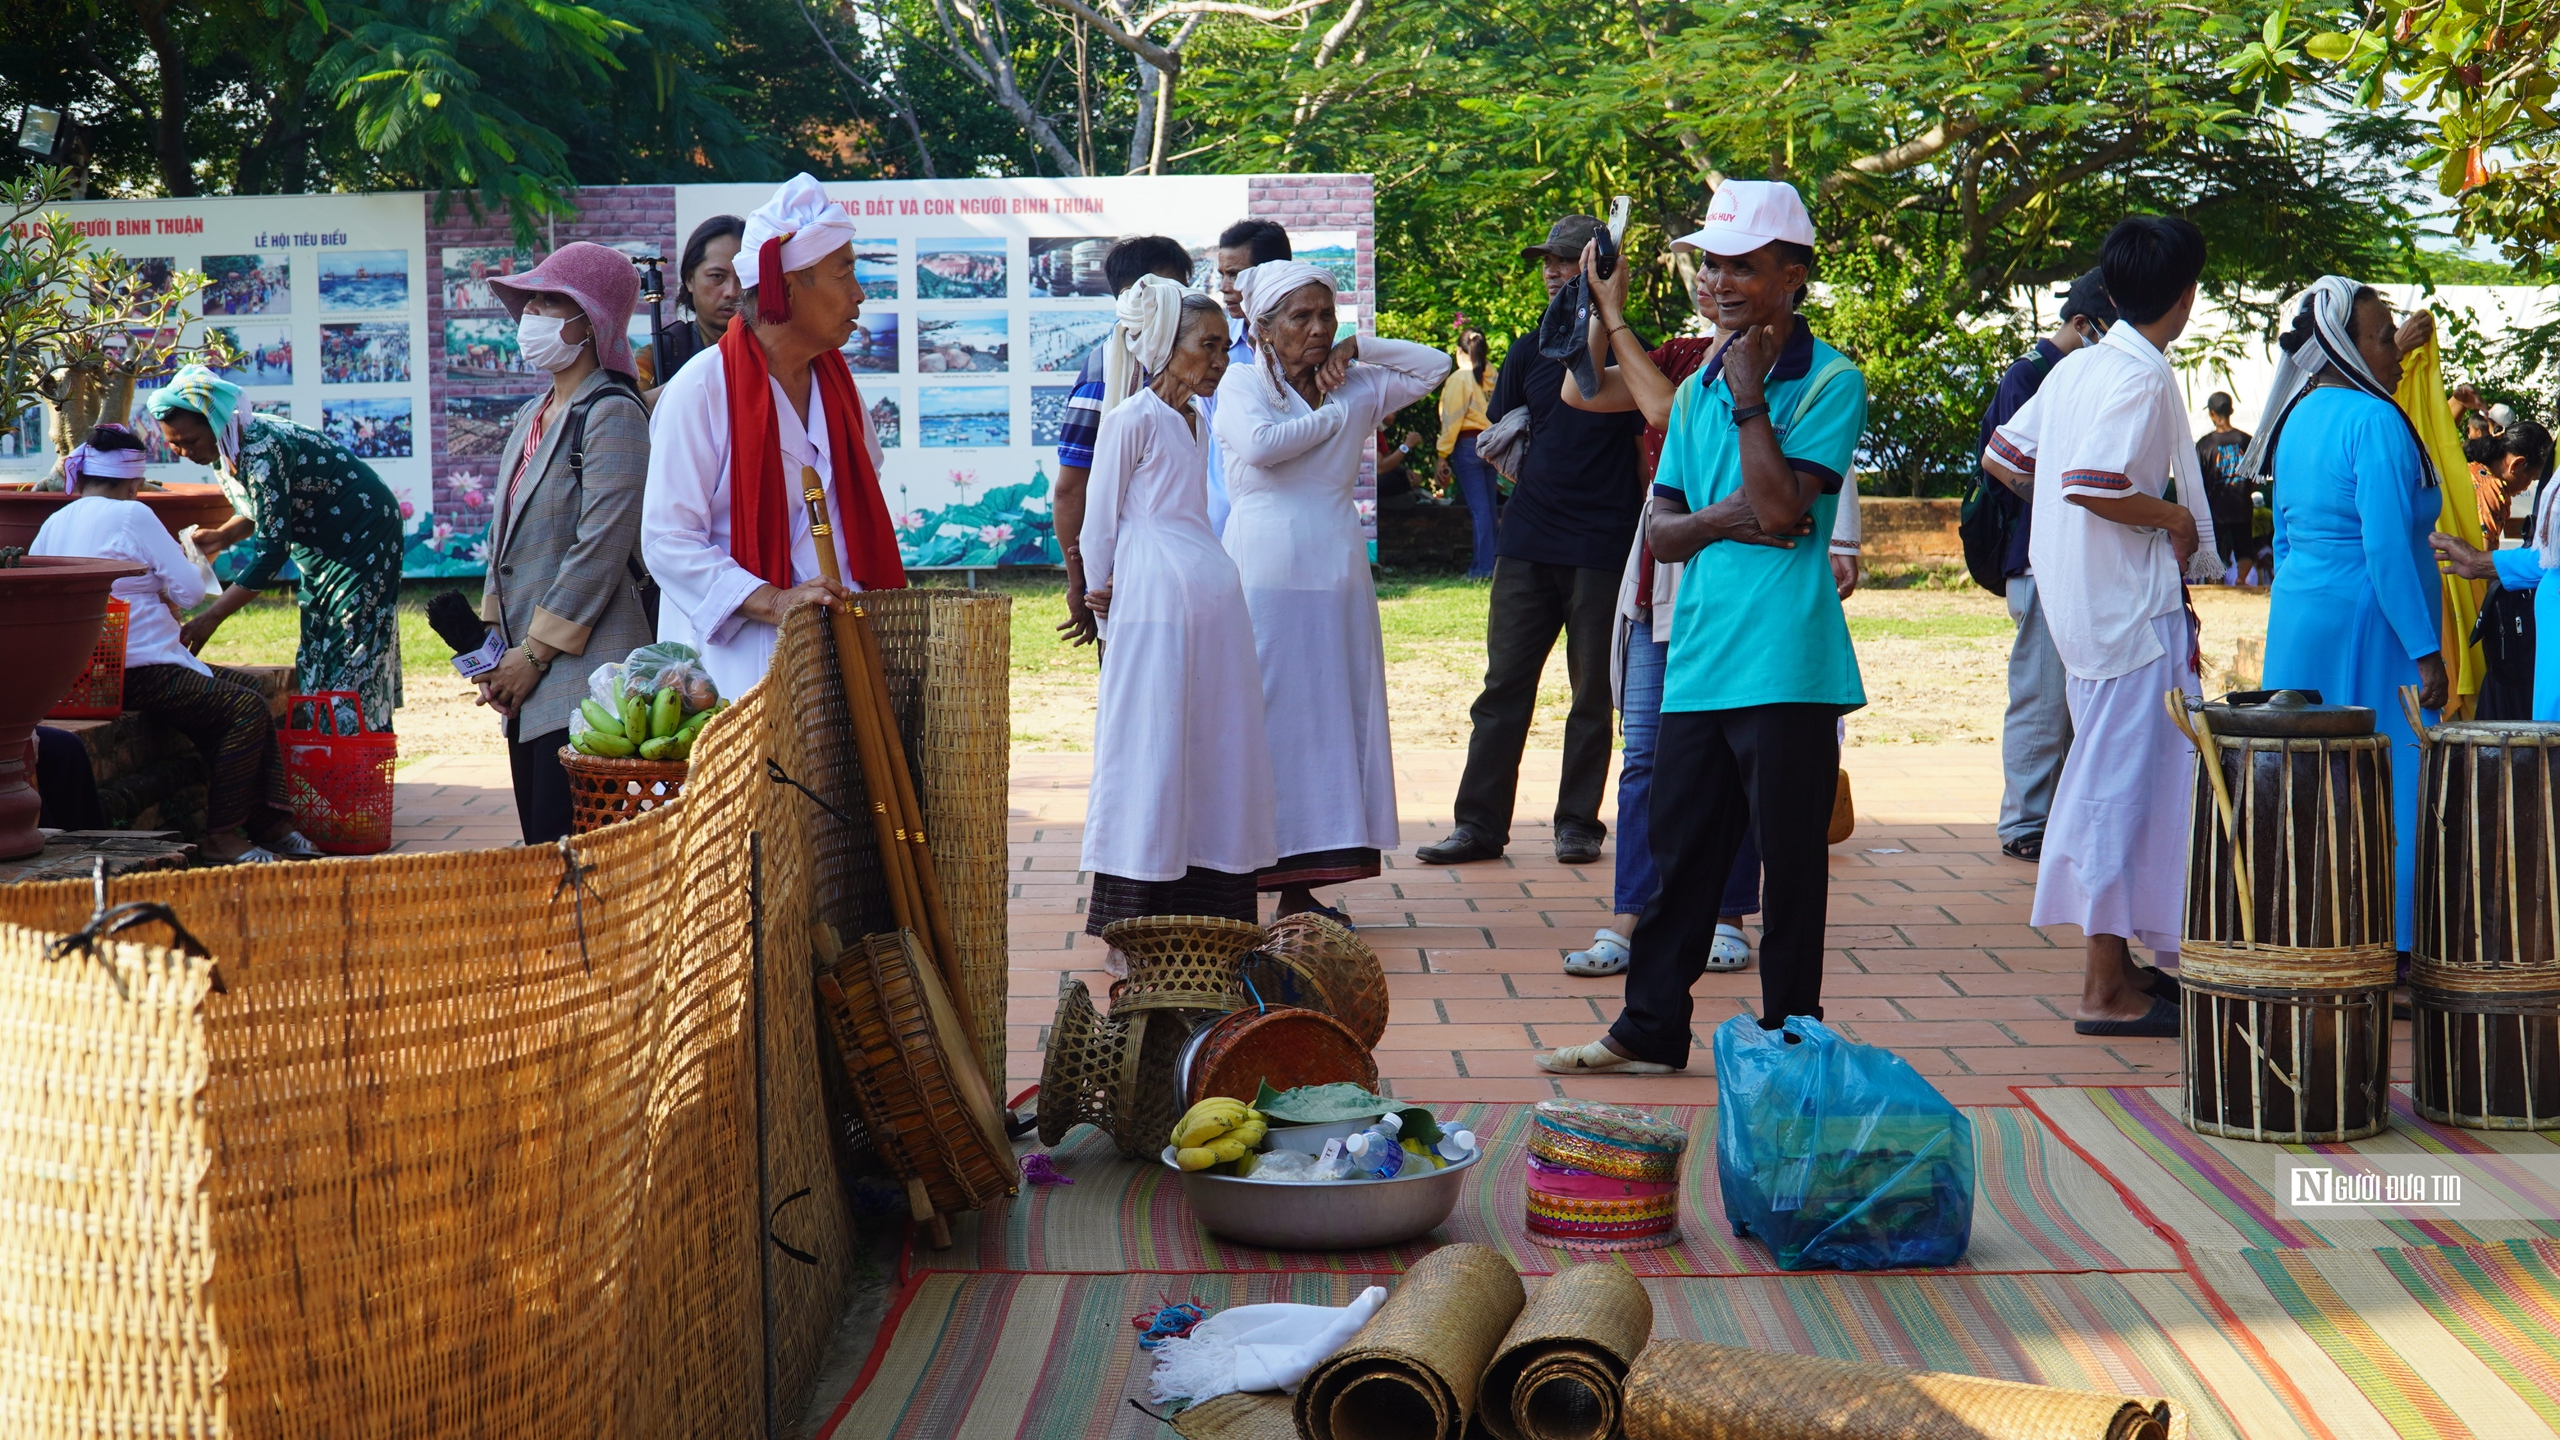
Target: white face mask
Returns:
[538, 336]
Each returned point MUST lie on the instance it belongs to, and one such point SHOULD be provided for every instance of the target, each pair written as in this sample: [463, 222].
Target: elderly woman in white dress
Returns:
[1180, 818]
[1293, 426]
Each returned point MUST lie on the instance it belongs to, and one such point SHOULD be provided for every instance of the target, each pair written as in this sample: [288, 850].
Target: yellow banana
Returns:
[1251, 1133]
[1228, 1149]
[1208, 1120]
[1192, 1157]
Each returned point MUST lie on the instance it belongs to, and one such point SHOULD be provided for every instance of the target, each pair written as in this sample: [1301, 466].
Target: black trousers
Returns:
[66, 788]
[542, 787]
[1773, 769]
[1531, 602]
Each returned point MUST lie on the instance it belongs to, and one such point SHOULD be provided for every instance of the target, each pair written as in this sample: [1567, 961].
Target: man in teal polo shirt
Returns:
[1761, 667]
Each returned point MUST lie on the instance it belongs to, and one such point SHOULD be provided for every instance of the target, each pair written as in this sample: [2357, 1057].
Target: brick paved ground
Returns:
[1930, 950]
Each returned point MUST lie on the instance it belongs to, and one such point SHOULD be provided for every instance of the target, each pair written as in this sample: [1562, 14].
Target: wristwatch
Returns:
[540, 667]
[1745, 414]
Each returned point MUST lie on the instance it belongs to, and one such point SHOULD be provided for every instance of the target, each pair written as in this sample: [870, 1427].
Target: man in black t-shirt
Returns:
[2218, 453]
[1557, 559]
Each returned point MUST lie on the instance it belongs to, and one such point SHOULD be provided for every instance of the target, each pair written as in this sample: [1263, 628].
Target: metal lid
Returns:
[2286, 714]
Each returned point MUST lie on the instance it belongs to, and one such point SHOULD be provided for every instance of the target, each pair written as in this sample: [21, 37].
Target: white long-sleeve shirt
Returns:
[684, 518]
[106, 529]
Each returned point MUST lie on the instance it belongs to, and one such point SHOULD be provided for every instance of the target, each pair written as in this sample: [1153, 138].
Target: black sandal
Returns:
[2161, 1022]
[2029, 848]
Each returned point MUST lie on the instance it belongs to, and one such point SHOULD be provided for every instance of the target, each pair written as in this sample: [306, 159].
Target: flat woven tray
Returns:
[1412, 1371]
[1683, 1390]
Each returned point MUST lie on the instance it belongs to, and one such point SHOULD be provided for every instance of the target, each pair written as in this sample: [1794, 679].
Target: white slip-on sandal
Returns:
[1597, 1059]
[1607, 955]
[1731, 951]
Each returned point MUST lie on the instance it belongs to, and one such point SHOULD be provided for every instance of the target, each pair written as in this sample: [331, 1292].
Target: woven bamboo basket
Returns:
[1315, 961]
[1181, 962]
[928, 1110]
[605, 791]
[1080, 1073]
[1412, 1372]
[1688, 1390]
[1284, 1047]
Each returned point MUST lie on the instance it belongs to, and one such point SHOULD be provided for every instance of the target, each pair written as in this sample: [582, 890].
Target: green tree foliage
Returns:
[2479, 69]
[1958, 155]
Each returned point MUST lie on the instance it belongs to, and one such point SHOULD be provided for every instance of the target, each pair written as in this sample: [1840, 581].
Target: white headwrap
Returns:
[2331, 304]
[105, 464]
[810, 226]
[1142, 335]
[1264, 286]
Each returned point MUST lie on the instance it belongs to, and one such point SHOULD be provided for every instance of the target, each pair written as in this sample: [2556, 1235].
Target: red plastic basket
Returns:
[99, 692]
[338, 784]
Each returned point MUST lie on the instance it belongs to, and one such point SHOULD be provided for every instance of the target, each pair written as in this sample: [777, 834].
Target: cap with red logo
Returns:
[1747, 214]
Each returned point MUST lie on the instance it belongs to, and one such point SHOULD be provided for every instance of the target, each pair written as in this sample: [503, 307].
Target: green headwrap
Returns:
[218, 400]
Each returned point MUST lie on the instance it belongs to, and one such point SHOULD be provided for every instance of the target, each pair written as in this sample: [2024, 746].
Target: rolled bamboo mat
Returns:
[1412, 1371]
[1557, 1375]
[1683, 1390]
[949, 658]
[1238, 1416]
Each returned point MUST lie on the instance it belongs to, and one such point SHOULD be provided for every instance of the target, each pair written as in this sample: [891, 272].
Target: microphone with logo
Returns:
[476, 647]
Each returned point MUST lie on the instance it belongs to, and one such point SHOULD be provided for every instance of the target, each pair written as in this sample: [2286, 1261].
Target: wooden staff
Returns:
[896, 859]
[915, 892]
[938, 931]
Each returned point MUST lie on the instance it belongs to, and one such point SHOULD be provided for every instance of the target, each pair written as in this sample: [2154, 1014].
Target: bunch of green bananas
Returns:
[653, 727]
[1221, 1132]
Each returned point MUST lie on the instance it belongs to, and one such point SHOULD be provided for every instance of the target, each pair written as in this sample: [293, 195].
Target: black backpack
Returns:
[1990, 516]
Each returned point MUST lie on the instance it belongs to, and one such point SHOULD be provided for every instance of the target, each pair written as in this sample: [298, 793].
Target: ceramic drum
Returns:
[2484, 992]
[1603, 1177]
[2289, 954]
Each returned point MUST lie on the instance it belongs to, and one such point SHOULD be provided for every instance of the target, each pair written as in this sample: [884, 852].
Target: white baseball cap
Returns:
[1747, 214]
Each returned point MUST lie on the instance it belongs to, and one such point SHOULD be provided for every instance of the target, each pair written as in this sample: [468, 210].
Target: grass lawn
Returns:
[1933, 649]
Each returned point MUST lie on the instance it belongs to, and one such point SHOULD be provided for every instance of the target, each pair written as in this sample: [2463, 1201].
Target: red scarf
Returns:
[762, 500]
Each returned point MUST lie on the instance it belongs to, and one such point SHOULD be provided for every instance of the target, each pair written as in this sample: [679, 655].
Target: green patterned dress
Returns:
[311, 501]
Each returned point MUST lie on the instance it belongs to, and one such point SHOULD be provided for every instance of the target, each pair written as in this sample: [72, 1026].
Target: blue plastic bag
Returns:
[1838, 1154]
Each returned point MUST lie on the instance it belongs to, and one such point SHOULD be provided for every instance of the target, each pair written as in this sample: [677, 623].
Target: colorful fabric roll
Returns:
[1603, 1177]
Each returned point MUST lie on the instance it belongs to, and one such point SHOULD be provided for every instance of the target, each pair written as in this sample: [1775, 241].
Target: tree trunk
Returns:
[1142, 134]
[169, 128]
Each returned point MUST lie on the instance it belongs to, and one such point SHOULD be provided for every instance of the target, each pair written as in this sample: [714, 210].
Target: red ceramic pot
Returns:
[24, 511]
[51, 609]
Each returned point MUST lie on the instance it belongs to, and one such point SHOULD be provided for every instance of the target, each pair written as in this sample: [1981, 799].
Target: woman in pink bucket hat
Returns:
[563, 578]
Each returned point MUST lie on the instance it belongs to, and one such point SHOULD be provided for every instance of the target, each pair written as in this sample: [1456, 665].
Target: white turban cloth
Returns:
[1258, 1347]
[2331, 303]
[810, 225]
[1264, 286]
[105, 464]
[1142, 335]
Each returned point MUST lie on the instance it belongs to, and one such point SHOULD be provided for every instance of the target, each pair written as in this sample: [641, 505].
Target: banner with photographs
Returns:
[322, 295]
[378, 324]
[983, 299]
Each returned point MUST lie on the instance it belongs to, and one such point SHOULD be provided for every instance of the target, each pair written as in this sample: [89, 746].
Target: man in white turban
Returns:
[1292, 427]
[722, 526]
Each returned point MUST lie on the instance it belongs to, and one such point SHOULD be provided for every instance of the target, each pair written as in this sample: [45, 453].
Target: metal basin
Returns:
[1331, 1215]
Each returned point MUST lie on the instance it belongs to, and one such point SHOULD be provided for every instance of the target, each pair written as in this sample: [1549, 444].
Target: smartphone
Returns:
[1606, 262]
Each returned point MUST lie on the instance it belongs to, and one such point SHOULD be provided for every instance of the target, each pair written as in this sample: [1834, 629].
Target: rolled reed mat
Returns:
[1556, 1376]
[1411, 1372]
[1238, 1416]
[1683, 1390]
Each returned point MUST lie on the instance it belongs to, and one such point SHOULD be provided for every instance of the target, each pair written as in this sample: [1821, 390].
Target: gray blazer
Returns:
[558, 562]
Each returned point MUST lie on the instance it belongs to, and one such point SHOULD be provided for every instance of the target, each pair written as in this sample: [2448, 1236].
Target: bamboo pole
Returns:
[896, 860]
[938, 931]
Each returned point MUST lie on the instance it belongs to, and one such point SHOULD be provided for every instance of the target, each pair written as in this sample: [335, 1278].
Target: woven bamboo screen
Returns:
[476, 1133]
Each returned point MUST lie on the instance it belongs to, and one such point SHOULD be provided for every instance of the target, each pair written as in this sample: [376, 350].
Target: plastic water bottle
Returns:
[1456, 1145]
[1376, 1150]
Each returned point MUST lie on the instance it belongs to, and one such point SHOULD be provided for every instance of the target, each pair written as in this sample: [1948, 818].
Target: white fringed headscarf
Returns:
[1262, 288]
[2331, 304]
[1142, 335]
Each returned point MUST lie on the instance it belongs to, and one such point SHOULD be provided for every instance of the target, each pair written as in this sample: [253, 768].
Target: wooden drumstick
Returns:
[896, 859]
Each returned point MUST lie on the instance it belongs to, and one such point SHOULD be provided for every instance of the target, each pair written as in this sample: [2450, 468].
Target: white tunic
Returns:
[1295, 536]
[106, 529]
[2115, 846]
[684, 517]
[1181, 773]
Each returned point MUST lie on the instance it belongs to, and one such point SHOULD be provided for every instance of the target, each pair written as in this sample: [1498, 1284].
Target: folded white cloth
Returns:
[1257, 1347]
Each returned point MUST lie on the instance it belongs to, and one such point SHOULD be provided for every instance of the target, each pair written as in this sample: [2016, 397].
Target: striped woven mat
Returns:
[1047, 1357]
[2236, 1194]
[2038, 1208]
